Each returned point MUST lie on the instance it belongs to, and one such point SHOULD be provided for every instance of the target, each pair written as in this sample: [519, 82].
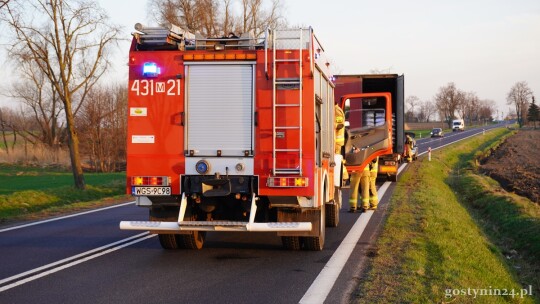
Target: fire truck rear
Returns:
[232, 134]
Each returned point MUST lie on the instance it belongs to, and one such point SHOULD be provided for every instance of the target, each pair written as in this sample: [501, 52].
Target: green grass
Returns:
[28, 190]
[433, 245]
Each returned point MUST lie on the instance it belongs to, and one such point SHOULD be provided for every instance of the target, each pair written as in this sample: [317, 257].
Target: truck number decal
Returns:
[149, 87]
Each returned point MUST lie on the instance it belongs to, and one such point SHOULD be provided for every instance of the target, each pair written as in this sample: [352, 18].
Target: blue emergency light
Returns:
[150, 69]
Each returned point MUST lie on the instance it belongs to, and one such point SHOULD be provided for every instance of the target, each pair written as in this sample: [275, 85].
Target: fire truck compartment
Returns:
[220, 120]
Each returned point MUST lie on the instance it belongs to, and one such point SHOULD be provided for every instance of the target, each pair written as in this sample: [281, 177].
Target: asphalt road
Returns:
[87, 259]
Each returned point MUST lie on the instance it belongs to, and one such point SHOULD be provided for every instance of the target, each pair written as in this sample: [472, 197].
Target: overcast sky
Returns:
[485, 46]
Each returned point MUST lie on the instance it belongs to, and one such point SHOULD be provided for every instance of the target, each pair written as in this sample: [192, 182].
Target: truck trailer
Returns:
[392, 84]
[232, 134]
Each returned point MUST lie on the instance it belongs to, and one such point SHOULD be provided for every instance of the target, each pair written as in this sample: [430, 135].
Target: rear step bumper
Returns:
[214, 226]
[182, 225]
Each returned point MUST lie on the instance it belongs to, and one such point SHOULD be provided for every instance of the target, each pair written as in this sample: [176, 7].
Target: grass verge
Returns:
[34, 192]
[433, 249]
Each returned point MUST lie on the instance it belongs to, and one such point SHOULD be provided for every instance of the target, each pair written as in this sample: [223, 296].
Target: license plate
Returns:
[151, 191]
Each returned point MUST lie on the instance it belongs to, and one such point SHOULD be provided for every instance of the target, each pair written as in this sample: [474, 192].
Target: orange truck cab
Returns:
[391, 86]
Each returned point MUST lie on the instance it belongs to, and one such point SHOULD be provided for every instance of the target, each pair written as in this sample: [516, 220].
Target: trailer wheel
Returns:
[291, 242]
[332, 209]
[316, 243]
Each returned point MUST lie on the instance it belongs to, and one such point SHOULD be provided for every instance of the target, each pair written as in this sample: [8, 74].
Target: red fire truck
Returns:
[232, 134]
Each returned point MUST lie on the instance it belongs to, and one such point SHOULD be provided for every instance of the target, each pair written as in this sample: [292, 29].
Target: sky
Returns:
[483, 46]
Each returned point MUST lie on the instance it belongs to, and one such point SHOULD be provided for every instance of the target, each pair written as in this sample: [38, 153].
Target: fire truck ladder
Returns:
[287, 37]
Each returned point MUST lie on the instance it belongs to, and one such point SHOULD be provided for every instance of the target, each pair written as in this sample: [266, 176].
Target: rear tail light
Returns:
[150, 181]
[287, 182]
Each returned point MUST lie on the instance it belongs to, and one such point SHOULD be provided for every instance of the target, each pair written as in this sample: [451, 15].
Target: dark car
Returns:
[437, 132]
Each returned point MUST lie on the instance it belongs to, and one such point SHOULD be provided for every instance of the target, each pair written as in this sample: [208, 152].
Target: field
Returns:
[28, 192]
[516, 164]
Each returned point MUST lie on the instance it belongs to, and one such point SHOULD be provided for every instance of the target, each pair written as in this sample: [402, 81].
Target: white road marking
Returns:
[64, 217]
[75, 260]
[321, 287]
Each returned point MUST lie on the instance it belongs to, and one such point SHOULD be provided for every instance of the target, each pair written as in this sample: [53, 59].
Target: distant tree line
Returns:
[451, 103]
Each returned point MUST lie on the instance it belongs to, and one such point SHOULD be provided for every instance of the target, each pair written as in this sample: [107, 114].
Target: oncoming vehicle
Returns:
[458, 125]
[437, 132]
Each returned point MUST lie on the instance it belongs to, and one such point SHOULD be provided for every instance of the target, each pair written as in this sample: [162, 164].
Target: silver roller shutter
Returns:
[219, 109]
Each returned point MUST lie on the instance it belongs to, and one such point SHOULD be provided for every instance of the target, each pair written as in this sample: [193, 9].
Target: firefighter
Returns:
[340, 135]
[371, 191]
[356, 179]
[408, 148]
[365, 180]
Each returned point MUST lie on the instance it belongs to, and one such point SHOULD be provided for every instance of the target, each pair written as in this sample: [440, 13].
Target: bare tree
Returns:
[16, 123]
[213, 18]
[3, 3]
[70, 47]
[411, 102]
[40, 98]
[485, 110]
[469, 107]
[427, 109]
[4, 127]
[448, 100]
[105, 119]
[533, 113]
[519, 96]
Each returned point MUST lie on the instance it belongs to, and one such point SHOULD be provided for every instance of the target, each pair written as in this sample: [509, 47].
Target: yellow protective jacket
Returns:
[339, 126]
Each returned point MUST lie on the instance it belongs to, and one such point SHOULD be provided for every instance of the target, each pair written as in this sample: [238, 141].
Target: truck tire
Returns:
[392, 177]
[316, 243]
[332, 209]
[291, 242]
[193, 240]
[168, 241]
